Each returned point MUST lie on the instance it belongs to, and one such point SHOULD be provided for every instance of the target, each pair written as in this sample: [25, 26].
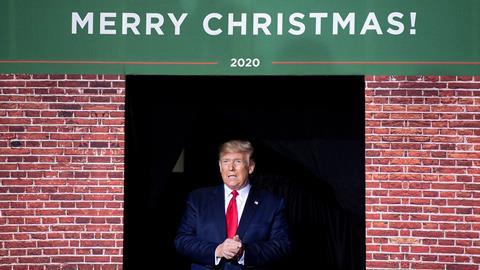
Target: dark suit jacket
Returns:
[262, 229]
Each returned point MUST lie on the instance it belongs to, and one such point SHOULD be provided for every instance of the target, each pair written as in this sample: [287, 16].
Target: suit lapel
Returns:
[218, 205]
[248, 212]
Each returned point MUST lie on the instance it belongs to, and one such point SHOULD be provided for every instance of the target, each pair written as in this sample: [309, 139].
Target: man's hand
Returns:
[240, 250]
[230, 248]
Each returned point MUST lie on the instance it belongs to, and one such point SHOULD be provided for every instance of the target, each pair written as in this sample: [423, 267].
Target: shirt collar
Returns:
[242, 193]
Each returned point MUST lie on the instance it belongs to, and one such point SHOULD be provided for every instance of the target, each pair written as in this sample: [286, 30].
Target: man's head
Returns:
[235, 163]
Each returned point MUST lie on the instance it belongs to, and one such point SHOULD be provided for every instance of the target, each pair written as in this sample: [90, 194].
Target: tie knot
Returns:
[234, 193]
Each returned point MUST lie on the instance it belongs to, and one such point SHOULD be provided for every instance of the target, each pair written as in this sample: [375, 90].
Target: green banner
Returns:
[241, 37]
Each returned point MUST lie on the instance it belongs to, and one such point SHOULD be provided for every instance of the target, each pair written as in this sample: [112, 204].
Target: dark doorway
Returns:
[309, 137]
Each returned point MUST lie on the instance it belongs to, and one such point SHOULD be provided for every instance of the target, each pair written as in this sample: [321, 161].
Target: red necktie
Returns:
[232, 215]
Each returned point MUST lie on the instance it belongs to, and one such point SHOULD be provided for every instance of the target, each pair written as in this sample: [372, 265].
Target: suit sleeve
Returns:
[276, 247]
[187, 242]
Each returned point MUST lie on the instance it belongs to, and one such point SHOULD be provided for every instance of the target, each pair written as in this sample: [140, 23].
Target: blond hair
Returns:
[236, 146]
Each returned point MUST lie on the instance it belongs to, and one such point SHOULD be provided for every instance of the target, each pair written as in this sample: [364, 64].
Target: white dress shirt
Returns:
[241, 200]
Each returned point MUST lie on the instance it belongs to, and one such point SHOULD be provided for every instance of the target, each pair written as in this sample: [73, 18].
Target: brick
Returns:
[471, 235]
[67, 259]
[442, 144]
[39, 83]
[101, 84]
[65, 106]
[421, 158]
[71, 83]
[12, 83]
[462, 267]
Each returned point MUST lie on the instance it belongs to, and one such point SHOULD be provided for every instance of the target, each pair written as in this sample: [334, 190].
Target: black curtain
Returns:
[309, 137]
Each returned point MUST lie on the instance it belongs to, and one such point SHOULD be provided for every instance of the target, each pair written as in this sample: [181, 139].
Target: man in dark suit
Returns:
[233, 226]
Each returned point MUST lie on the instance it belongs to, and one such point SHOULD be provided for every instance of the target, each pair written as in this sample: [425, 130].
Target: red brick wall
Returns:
[61, 171]
[423, 172]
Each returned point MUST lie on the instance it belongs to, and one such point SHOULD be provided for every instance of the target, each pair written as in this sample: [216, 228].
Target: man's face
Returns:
[235, 168]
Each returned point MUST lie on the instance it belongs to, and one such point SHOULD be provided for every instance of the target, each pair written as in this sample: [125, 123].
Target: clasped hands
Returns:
[230, 248]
